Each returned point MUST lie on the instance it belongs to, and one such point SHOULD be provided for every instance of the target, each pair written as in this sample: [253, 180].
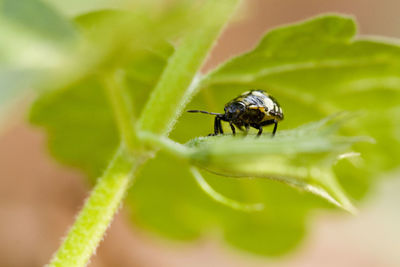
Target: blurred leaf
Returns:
[34, 37]
[75, 106]
[314, 69]
[73, 8]
[74, 114]
[40, 44]
[38, 17]
[72, 117]
[323, 46]
[167, 200]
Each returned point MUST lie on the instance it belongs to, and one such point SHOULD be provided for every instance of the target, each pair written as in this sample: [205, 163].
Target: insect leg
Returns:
[258, 127]
[260, 130]
[247, 129]
[275, 127]
[269, 122]
[232, 127]
[220, 126]
[217, 123]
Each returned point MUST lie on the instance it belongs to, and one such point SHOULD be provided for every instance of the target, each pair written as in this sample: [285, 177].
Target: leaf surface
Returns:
[315, 69]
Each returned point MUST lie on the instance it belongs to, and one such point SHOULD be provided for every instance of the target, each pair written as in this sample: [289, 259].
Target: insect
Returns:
[255, 108]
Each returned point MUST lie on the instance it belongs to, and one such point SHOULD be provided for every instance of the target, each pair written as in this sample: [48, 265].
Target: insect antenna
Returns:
[205, 112]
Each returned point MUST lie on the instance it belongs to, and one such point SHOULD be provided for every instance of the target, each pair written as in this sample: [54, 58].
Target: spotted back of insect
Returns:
[259, 100]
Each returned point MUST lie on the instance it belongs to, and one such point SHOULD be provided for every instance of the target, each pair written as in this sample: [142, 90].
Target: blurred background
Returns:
[39, 197]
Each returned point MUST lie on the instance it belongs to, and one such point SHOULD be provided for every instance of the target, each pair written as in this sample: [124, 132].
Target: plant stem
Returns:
[97, 213]
[173, 91]
[177, 84]
[122, 107]
[171, 147]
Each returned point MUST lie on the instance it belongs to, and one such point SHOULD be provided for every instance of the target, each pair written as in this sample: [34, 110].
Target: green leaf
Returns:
[34, 38]
[301, 158]
[72, 117]
[38, 17]
[73, 114]
[111, 69]
[41, 44]
[314, 69]
[78, 7]
[75, 106]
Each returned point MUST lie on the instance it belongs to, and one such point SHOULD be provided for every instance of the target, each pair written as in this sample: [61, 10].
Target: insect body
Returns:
[253, 108]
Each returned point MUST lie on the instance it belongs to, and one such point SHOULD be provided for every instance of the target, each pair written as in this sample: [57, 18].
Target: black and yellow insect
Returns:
[253, 108]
